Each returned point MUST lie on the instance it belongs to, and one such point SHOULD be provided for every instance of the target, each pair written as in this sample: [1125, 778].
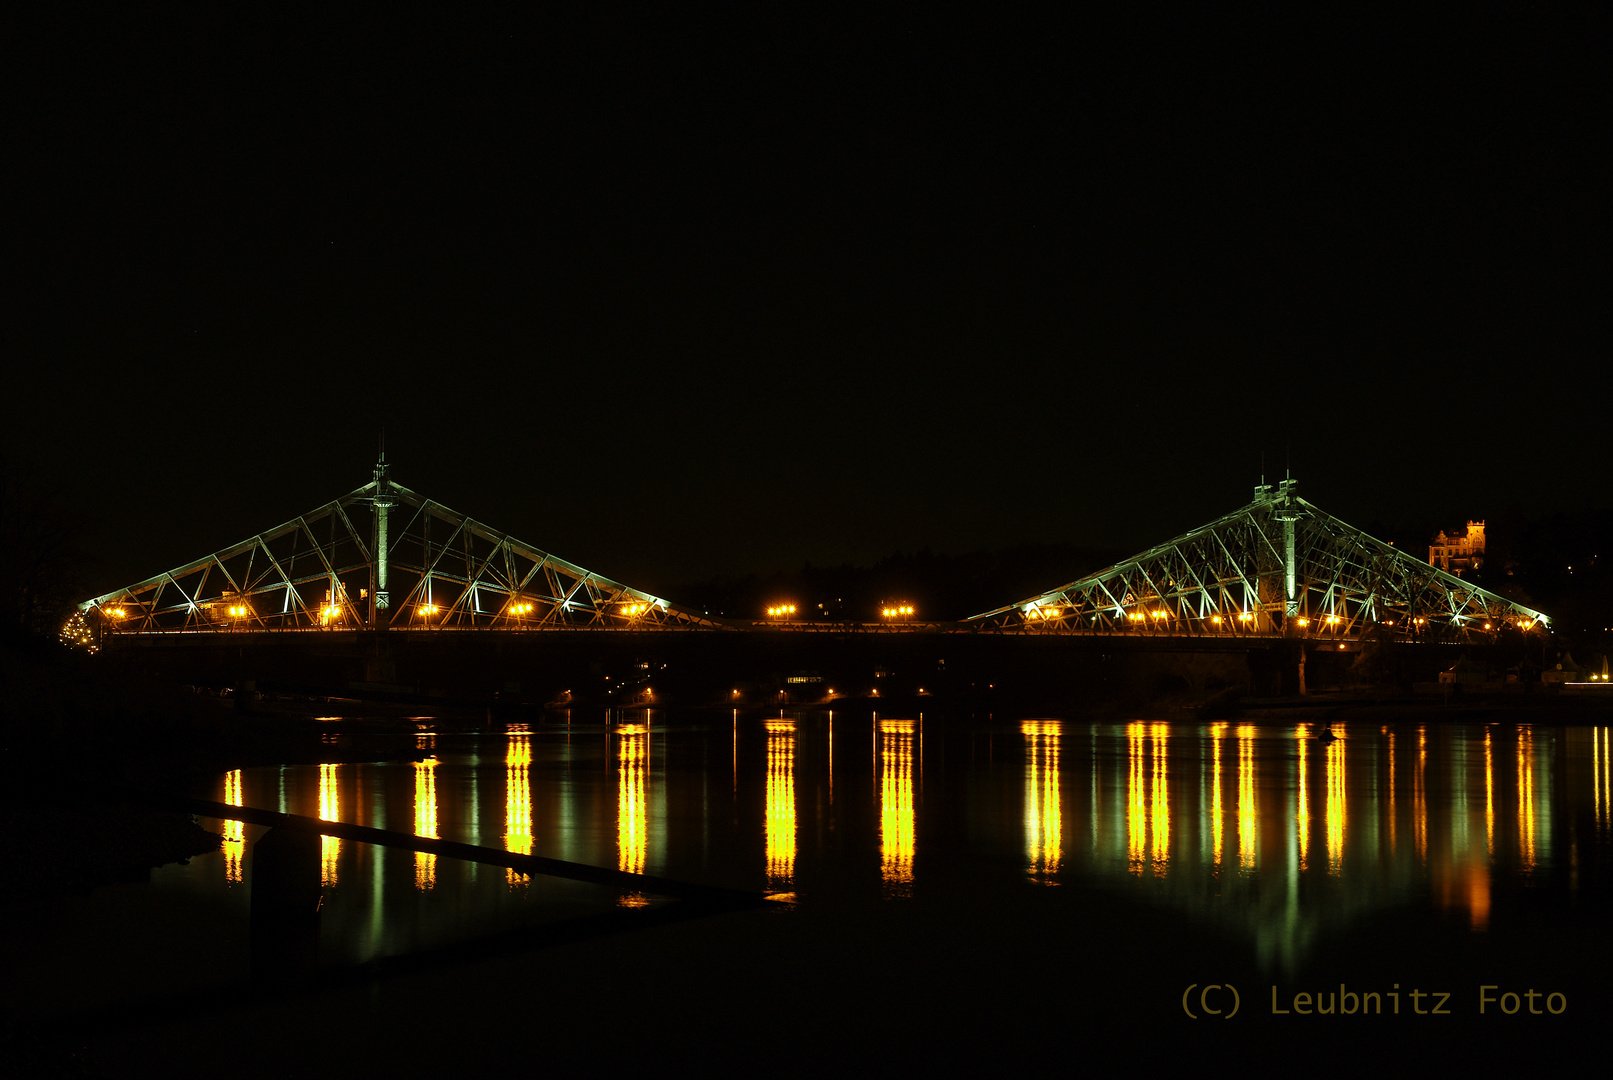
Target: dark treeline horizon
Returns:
[939, 586]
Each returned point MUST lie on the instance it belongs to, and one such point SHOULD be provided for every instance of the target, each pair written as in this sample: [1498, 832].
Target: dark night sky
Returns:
[710, 297]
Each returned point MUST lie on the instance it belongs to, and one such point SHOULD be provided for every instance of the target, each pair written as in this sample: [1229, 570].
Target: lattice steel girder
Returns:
[445, 570]
[1232, 578]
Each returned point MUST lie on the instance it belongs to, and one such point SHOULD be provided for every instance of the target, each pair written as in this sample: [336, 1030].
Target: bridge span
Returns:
[383, 558]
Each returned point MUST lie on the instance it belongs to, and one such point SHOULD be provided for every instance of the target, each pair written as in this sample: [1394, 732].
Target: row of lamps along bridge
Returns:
[785, 612]
[1244, 617]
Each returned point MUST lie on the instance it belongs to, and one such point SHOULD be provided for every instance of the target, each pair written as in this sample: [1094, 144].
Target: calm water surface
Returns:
[1260, 833]
[989, 889]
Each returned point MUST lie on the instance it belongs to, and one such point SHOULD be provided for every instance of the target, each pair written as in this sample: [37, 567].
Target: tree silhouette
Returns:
[42, 556]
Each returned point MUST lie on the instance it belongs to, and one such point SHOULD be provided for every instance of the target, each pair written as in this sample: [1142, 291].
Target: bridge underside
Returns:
[662, 667]
[1276, 568]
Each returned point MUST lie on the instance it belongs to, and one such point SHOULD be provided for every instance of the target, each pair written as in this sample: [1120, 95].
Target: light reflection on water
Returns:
[632, 804]
[780, 803]
[1263, 830]
[518, 801]
[425, 821]
[234, 832]
[330, 809]
[1044, 820]
[897, 810]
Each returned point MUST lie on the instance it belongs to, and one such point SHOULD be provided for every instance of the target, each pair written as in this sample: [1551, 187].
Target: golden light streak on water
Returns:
[896, 806]
[517, 802]
[1148, 807]
[632, 802]
[425, 821]
[1248, 811]
[1391, 814]
[1335, 806]
[780, 803]
[1136, 805]
[330, 809]
[1161, 818]
[831, 757]
[1419, 797]
[1217, 812]
[1489, 795]
[234, 831]
[1044, 834]
[1303, 817]
[1599, 776]
[1526, 799]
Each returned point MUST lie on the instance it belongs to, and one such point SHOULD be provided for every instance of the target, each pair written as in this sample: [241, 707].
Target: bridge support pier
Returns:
[286, 899]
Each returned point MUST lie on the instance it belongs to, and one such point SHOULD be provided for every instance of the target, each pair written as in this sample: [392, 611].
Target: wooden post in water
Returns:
[285, 906]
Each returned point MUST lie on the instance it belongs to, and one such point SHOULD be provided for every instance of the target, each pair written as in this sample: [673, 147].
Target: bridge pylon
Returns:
[1277, 567]
[382, 557]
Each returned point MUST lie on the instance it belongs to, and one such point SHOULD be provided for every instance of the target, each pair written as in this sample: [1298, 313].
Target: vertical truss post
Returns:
[1288, 512]
[382, 501]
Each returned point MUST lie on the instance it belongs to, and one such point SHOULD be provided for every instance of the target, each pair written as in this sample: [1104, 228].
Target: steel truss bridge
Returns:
[1278, 567]
[383, 557]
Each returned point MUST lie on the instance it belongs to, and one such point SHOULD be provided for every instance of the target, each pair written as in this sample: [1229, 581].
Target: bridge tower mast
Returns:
[1288, 512]
[383, 501]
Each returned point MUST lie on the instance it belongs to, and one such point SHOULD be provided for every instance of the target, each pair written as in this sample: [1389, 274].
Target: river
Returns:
[1165, 861]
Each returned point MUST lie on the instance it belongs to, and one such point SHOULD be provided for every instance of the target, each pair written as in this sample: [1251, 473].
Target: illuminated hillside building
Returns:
[1456, 552]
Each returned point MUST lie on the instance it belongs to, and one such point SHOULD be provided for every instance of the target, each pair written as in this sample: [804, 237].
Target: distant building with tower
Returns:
[1456, 552]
